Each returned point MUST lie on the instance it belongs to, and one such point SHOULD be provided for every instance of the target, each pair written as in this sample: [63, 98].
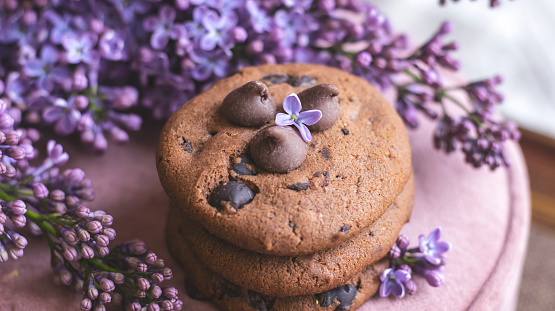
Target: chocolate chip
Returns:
[324, 98]
[257, 302]
[292, 225]
[326, 153]
[371, 234]
[345, 131]
[186, 145]
[160, 160]
[244, 166]
[345, 229]
[301, 80]
[276, 79]
[299, 186]
[234, 193]
[345, 295]
[278, 149]
[249, 105]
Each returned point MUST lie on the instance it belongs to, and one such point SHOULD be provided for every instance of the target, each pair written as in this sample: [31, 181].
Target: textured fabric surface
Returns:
[484, 215]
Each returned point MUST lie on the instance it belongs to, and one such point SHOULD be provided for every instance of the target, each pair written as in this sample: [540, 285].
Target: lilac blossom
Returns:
[80, 48]
[432, 248]
[63, 114]
[44, 69]
[392, 282]
[219, 30]
[294, 116]
[162, 27]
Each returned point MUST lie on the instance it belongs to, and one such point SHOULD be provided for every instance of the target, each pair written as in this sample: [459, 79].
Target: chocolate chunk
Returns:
[292, 226]
[371, 234]
[299, 186]
[324, 98]
[345, 295]
[345, 131]
[249, 105]
[257, 302]
[326, 153]
[235, 193]
[245, 166]
[278, 149]
[160, 160]
[301, 80]
[345, 229]
[276, 79]
[186, 145]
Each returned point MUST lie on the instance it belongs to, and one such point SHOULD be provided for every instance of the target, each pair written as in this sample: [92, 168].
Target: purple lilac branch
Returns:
[49, 202]
[93, 67]
[426, 260]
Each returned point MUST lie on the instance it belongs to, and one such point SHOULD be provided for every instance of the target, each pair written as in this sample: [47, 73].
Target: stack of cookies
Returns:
[264, 218]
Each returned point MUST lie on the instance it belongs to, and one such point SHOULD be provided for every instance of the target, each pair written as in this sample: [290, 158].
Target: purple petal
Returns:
[422, 243]
[52, 113]
[435, 235]
[385, 289]
[209, 20]
[45, 82]
[88, 40]
[34, 68]
[402, 275]
[385, 274]
[441, 247]
[202, 72]
[49, 54]
[310, 117]
[432, 259]
[305, 132]
[150, 23]
[167, 14]
[283, 119]
[66, 125]
[159, 39]
[398, 289]
[208, 42]
[292, 104]
[60, 73]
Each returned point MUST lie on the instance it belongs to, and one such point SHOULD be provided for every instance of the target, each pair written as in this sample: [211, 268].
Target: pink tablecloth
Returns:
[484, 215]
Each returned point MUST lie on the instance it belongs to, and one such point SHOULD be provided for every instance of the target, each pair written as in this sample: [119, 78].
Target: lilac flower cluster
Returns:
[427, 260]
[49, 201]
[86, 66]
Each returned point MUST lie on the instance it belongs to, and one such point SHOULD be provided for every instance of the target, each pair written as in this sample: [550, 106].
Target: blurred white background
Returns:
[516, 40]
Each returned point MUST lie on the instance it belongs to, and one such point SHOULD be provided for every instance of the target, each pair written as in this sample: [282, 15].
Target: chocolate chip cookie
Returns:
[353, 170]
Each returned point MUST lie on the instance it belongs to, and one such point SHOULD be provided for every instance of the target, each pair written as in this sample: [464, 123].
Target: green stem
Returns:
[102, 265]
[41, 221]
[4, 196]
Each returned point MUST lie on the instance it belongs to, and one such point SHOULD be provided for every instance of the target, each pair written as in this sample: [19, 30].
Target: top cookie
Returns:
[352, 173]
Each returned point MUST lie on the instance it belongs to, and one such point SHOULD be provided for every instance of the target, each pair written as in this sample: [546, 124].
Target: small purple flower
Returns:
[392, 282]
[80, 48]
[64, 114]
[206, 63]
[432, 247]
[294, 116]
[219, 30]
[44, 69]
[112, 46]
[162, 27]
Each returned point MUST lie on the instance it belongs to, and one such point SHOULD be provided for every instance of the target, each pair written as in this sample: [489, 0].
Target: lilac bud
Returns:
[143, 284]
[1, 229]
[364, 59]
[86, 304]
[153, 307]
[19, 241]
[100, 143]
[4, 256]
[107, 285]
[17, 153]
[140, 294]
[110, 233]
[94, 227]
[167, 272]
[157, 277]
[18, 207]
[135, 306]
[103, 251]
[107, 220]
[3, 138]
[380, 63]
[19, 221]
[403, 241]
[72, 201]
[177, 305]
[141, 268]
[445, 28]
[394, 252]
[255, 47]
[167, 305]
[433, 277]
[57, 195]
[84, 236]
[160, 263]
[117, 299]
[100, 307]
[12, 138]
[3, 216]
[40, 191]
[102, 240]
[66, 278]
[182, 4]
[15, 253]
[156, 292]
[119, 135]
[171, 292]
[411, 287]
[81, 211]
[87, 252]
[406, 268]
[81, 102]
[3, 167]
[92, 292]
[60, 208]
[118, 278]
[6, 121]
[10, 171]
[139, 247]
[151, 258]
[96, 25]
[34, 228]
[133, 262]
[71, 254]
[29, 18]
[105, 298]
[79, 80]
[239, 34]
